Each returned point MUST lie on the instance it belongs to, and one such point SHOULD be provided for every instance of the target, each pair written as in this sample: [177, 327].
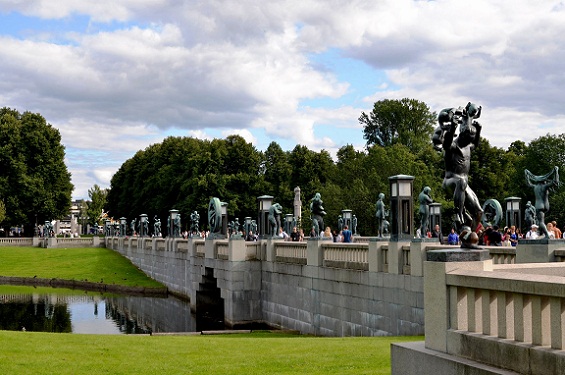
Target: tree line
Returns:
[184, 173]
[35, 184]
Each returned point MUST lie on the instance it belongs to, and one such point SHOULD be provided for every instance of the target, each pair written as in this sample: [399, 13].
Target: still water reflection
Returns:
[65, 310]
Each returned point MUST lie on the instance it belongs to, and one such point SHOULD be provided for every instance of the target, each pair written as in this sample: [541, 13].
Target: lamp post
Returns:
[346, 216]
[143, 225]
[288, 220]
[123, 226]
[224, 210]
[172, 217]
[435, 215]
[107, 228]
[401, 207]
[513, 213]
[265, 203]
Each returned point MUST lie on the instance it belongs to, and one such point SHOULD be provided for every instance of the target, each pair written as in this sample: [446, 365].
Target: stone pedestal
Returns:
[314, 253]
[538, 251]
[237, 249]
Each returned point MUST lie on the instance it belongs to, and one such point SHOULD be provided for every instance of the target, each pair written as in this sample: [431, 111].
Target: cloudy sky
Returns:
[117, 76]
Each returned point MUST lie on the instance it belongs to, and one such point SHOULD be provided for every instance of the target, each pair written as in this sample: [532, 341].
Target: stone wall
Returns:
[315, 287]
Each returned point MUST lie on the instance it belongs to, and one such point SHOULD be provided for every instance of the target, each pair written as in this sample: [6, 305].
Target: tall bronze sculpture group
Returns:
[457, 157]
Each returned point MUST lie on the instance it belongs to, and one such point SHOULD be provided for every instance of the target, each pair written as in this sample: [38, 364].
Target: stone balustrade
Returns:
[346, 255]
[222, 250]
[493, 317]
[16, 241]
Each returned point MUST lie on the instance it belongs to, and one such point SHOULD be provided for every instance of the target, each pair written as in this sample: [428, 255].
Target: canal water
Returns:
[46, 309]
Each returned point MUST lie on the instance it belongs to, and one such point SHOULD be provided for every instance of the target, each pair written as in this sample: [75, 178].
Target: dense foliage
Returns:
[34, 181]
[184, 173]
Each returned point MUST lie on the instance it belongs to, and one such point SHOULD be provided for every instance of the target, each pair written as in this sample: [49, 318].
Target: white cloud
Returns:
[139, 69]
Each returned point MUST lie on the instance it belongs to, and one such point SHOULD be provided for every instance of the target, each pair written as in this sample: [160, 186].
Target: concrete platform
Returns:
[413, 358]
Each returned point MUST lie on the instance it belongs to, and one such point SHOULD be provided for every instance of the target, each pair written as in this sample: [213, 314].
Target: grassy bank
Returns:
[96, 265]
[256, 353]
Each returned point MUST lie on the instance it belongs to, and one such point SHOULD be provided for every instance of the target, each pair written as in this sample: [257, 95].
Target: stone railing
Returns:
[17, 241]
[290, 252]
[199, 248]
[253, 247]
[559, 255]
[160, 244]
[478, 310]
[502, 254]
[222, 250]
[346, 255]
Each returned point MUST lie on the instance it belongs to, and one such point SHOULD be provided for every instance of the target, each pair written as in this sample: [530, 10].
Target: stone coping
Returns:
[457, 255]
[84, 285]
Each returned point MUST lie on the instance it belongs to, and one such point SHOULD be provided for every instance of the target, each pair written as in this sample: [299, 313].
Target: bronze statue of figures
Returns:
[176, 226]
[354, 225]
[318, 214]
[157, 227]
[529, 215]
[381, 215]
[132, 226]
[339, 223]
[194, 226]
[425, 200]
[275, 218]
[542, 185]
[457, 156]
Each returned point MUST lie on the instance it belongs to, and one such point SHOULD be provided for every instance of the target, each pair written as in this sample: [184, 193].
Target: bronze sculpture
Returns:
[425, 200]
[317, 213]
[542, 186]
[457, 155]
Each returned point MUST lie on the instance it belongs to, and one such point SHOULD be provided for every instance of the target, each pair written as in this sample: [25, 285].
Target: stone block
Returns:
[457, 255]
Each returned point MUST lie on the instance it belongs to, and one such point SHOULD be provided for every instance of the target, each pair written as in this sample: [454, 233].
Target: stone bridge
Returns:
[368, 288]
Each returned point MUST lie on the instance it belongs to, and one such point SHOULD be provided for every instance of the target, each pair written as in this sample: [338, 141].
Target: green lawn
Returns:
[98, 265]
[256, 353]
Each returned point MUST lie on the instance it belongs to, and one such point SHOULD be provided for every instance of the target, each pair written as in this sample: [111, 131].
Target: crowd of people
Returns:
[507, 236]
[297, 235]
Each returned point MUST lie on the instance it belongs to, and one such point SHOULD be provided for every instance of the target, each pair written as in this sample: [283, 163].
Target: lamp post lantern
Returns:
[224, 210]
[123, 226]
[288, 220]
[346, 216]
[513, 213]
[173, 214]
[265, 203]
[401, 207]
[143, 225]
[435, 215]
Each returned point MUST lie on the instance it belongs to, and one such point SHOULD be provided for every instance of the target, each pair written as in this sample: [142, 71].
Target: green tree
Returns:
[34, 179]
[2, 211]
[541, 155]
[406, 121]
[95, 208]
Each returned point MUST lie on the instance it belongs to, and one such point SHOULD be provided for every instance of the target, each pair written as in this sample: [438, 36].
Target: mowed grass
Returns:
[97, 265]
[256, 353]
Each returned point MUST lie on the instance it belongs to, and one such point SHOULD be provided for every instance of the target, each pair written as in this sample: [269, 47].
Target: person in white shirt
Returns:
[532, 233]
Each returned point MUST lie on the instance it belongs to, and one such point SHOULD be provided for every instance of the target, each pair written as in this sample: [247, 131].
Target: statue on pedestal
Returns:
[542, 186]
[275, 219]
[156, 227]
[318, 214]
[457, 155]
[529, 215]
[194, 226]
[381, 215]
[425, 200]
